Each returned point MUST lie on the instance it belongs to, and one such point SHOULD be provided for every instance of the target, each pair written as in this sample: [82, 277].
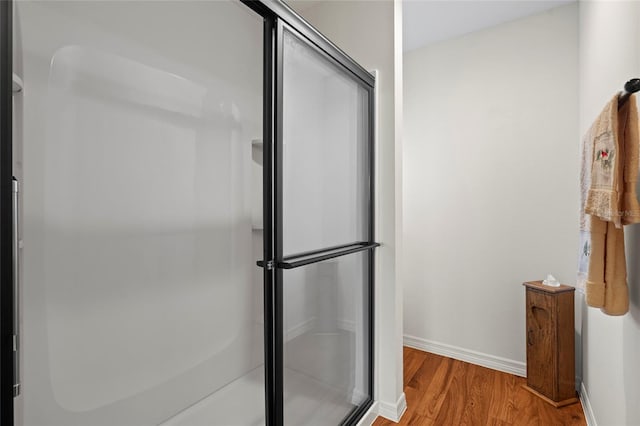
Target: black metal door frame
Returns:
[6, 213]
[316, 42]
[276, 16]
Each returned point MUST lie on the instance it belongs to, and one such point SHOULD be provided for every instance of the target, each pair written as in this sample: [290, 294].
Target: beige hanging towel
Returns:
[609, 175]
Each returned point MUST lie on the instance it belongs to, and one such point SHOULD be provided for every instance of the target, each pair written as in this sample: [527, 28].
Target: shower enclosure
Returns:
[186, 217]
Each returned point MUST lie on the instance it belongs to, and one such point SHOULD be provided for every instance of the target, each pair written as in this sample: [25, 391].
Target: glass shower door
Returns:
[325, 239]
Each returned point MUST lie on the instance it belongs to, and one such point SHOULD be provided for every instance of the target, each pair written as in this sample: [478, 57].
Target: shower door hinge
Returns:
[269, 265]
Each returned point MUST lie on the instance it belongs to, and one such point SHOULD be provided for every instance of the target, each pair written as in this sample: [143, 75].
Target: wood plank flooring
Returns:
[444, 391]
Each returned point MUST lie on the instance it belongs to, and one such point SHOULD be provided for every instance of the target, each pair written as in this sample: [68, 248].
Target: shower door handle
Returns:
[303, 259]
[16, 288]
[307, 258]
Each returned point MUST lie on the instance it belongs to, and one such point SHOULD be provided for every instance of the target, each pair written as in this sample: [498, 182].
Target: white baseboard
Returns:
[518, 368]
[586, 406]
[370, 416]
[393, 411]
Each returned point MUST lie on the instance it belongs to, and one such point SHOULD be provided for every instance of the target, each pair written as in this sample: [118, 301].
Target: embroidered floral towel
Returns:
[614, 166]
[602, 197]
[608, 200]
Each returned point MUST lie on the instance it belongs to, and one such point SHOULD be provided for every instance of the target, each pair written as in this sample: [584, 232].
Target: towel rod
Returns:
[631, 86]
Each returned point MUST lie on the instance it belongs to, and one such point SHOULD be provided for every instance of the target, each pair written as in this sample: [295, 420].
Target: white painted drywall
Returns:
[609, 56]
[370, 32]
[490, 172]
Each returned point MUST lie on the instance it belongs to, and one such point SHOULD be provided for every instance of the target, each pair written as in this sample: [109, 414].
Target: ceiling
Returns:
[429, 21]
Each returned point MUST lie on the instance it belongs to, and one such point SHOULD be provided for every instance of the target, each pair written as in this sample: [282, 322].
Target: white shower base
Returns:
[241, 403]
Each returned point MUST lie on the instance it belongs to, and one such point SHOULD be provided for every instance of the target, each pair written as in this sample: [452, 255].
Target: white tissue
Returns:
[551, 281]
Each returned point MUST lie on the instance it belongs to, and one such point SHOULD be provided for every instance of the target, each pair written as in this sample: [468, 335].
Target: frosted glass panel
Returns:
[326, 335]
[142, 301]
[325, 166]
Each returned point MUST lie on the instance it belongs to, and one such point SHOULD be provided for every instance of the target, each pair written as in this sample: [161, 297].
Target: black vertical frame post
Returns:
[6, 219]
[372, 231]
[278, 156]
[273, 316]
[267, 164]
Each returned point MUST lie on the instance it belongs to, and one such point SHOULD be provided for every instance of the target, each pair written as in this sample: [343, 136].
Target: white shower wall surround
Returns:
[140, 290]
[139, 152]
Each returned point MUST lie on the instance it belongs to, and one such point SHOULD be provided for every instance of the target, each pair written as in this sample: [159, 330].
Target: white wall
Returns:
[370, 32]
[490, 192]
[609, 56]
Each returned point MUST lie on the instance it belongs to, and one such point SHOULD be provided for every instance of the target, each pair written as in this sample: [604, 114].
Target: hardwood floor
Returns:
[444, 391]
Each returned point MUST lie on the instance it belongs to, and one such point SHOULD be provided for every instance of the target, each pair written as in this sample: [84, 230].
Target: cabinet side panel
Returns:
[566, 348]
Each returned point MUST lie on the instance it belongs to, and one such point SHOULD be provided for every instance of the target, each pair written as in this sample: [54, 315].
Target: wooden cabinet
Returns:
[550, 343]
